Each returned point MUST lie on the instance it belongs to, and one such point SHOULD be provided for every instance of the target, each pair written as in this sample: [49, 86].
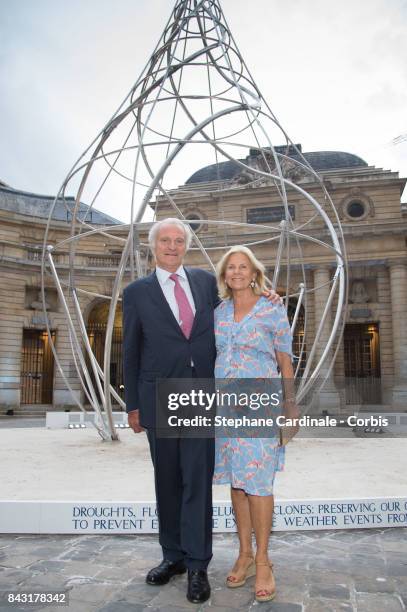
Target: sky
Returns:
[334, 74]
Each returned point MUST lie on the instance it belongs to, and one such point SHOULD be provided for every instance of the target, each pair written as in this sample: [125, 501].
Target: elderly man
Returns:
[169, 333]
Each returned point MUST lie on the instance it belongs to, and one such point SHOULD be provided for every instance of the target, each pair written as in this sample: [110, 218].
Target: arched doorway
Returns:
[96, 329]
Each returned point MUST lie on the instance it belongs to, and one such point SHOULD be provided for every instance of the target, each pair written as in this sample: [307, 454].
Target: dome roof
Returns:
[319, 160]
[34, 205]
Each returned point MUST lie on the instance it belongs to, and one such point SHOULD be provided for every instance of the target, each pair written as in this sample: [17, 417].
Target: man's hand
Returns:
[134, 421]
[273, 297]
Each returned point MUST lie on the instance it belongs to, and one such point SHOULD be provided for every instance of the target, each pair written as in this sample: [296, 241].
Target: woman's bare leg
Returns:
[261, 514]
[241, 510]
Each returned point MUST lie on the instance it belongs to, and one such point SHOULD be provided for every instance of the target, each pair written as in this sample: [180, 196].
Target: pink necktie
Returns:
[186, 314]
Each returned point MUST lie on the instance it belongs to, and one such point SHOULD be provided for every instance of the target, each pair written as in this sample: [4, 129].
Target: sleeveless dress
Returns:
[247, 350]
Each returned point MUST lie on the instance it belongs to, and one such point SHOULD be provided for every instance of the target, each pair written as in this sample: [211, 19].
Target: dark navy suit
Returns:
[155, 347]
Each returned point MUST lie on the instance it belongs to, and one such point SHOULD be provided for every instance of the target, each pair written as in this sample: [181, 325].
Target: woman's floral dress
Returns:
[247, 350]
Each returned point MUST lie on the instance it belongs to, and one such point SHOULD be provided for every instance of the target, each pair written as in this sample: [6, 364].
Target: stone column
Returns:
[62, 398]
[12, 295]
[328, 399]
[398, 289]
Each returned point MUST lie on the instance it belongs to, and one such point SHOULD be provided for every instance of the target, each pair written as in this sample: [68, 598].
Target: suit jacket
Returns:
[154, 345]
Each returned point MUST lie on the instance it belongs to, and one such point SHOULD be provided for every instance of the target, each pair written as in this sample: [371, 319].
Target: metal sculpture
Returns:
[195, 99]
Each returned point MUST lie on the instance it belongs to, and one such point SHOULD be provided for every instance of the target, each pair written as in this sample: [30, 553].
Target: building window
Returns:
[356, 209]
[197, 225]
[356, 206]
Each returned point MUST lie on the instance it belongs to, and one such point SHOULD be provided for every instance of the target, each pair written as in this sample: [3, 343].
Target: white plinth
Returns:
[51, 479]
[104, 518]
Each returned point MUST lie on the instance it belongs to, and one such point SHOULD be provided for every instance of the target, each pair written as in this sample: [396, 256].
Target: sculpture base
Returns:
[54, 479]
[129, 517]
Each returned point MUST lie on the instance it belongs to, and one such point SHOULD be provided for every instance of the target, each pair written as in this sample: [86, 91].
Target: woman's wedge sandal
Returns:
[265, 594]
[233, 582]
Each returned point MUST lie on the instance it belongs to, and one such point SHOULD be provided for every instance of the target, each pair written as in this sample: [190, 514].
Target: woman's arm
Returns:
[290, 408]
[287, 374]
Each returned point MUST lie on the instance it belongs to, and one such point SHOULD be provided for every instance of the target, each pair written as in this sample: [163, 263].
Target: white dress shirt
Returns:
[167, 285]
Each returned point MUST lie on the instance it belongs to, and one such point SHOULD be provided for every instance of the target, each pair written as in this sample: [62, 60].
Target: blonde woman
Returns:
[253, 340]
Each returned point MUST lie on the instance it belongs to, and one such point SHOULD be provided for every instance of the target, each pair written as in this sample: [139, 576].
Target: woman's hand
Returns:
[291, 413]
[273, 297]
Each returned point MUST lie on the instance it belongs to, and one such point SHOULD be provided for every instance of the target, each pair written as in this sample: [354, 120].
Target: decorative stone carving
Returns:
[291, 170]
[38, 304]
[359, 294]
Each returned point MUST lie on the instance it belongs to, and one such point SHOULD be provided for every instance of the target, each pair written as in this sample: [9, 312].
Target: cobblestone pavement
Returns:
[360, 570]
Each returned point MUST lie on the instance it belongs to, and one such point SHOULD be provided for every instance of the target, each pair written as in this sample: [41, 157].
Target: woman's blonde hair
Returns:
[260, 279]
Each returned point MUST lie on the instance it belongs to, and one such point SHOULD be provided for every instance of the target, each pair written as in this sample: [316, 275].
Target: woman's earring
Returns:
[253, 284]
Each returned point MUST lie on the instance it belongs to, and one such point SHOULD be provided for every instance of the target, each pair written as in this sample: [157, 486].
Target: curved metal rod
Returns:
[196, 37]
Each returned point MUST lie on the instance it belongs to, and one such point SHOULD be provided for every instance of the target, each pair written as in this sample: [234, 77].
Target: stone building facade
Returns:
[30, 381]
[371, 365]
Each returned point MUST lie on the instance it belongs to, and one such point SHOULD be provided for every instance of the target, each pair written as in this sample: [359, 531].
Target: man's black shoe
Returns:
[162, 573]
[198, 586]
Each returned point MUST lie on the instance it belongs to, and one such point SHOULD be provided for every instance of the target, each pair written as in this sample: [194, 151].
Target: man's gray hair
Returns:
[152, 235]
